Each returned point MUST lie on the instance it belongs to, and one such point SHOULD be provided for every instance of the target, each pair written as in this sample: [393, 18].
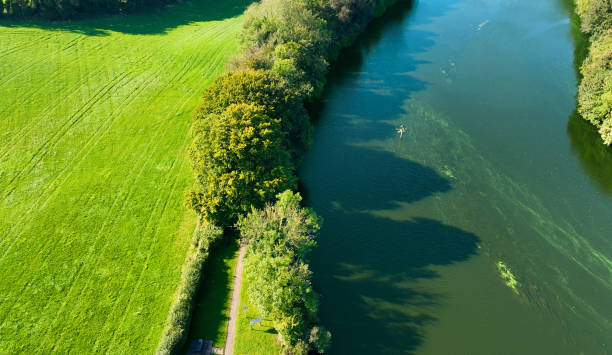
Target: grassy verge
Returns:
[95, 118]
[213, 301]
[261, 338]
[175, 331]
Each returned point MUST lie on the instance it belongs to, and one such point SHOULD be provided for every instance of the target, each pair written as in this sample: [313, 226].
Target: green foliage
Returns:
[177, 324]
[290, 38]
[61, 9]
[320, 338]
[295, 38]
[273, 22]
[279, 237]
[596, 15]
[349, 17]
[302, 72]
[595, 91]
[239, 160]
[266, 90]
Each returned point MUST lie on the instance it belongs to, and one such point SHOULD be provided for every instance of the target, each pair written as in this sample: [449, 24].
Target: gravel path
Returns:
[231, 326]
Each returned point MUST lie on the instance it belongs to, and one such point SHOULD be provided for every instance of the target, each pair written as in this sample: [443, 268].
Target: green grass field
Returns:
[259, 339]
[94, 122]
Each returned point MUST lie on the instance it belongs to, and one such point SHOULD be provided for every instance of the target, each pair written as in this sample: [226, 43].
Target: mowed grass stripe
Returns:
[99, 229]
[53, 185]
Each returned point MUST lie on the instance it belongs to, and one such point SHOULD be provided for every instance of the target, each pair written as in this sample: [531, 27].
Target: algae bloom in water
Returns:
[506, 274]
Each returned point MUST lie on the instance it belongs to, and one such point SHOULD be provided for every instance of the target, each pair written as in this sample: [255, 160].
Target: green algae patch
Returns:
[507, 275]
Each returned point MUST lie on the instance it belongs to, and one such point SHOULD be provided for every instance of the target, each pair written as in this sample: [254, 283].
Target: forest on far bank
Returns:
[595, 92]
[62, 9]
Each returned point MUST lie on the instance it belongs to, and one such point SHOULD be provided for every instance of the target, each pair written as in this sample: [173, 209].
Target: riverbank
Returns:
[595, 91]
[284, 63]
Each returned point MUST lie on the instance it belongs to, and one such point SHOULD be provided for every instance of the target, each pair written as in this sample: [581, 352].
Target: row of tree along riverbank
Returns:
[248, 137]
[595, 91]
[62, 9]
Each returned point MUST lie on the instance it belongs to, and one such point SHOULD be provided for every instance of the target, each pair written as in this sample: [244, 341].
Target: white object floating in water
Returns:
[482, 25]
[401, 130]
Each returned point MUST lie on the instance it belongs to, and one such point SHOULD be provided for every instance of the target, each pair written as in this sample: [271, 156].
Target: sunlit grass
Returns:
[95, 118]
[258, 339]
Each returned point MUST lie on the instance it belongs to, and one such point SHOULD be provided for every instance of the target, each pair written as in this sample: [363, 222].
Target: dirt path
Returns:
[233, 316]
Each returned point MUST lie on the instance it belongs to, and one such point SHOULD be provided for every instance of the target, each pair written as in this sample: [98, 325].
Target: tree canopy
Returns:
[239, 160]
[279, 238]
[266, 90]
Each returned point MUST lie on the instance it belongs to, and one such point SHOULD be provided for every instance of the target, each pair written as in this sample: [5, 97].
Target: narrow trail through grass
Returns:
[95, 119]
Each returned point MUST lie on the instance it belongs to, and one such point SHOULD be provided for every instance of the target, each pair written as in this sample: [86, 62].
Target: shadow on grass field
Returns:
[152, 22]
[212, 308]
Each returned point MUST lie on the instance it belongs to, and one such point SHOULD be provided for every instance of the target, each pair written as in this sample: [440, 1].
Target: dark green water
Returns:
[493, 168]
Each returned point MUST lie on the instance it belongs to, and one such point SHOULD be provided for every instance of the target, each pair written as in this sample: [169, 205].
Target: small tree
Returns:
[269, 92]
[279, 239]
[239, 161]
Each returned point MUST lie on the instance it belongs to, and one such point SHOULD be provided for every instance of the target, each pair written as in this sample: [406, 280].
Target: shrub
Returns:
[605, 131]
[240, 161]
[300, 71]
[291, 38]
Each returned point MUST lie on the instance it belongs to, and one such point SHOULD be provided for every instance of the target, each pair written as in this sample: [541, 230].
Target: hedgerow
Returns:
[177, 324]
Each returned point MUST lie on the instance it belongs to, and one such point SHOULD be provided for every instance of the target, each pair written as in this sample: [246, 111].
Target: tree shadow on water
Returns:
[361, 179]
[367, 267]
[595, 157]
[146, 22]
[369, 284]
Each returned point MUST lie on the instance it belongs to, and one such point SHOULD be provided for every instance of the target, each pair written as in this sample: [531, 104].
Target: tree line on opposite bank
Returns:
[595, 91]
[67, 9]
[247, 138]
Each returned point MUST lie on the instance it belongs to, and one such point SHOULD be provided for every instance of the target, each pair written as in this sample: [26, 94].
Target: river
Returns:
[494, 175]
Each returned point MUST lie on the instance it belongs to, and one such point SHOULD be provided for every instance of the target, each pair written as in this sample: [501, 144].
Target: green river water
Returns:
[493, 167]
